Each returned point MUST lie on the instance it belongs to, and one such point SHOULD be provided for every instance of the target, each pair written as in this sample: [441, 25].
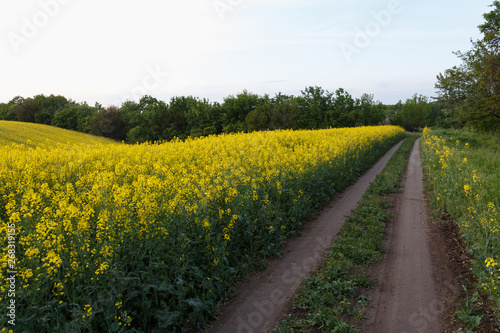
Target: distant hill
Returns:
[37, 135]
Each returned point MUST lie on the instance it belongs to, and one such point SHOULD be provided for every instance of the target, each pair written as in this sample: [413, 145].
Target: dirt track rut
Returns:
[405, 300]
[262, 299]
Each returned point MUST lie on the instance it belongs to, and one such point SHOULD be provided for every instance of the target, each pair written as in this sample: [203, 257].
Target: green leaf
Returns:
[194, 302]
[167, 319]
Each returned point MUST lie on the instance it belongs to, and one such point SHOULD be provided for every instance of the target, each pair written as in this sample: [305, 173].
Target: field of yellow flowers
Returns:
[99, 236]
[462, 173]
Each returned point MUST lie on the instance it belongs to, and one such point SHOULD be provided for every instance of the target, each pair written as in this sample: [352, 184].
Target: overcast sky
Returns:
[113, 50]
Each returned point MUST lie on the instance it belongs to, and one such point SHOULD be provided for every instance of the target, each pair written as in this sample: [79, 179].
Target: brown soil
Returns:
[426, 265]
[416, 283]
[263, 298]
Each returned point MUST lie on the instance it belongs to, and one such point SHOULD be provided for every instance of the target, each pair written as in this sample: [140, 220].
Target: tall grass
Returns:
[462, 172]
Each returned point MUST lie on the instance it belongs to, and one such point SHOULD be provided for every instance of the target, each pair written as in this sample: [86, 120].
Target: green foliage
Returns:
[370, 113]
[39, 109]
[286, 110]
[202, 114]
[131, 115]
[472, 90]
[259, 118]
[468, 313]
[236, 108]
[26, 110]
[48, 106]
[210, 130]
[153, 120]
[75, 117]
[413, 114]
[109, 123]
[136, 135]
[314, 104]
[7, 112]
[343, 112]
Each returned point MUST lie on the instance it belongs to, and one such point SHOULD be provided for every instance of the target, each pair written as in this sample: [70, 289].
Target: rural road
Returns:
[262, 299]
[405, 300]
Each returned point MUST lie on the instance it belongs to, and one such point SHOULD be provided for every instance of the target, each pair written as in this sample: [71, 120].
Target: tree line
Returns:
[151, 119]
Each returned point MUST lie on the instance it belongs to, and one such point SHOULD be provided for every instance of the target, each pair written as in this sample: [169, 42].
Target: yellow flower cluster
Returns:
[467, 190]
[87, 311]
[490, 262]
[80, 204]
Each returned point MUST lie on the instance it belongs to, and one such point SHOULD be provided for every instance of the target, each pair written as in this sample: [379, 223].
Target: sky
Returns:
[116, 50]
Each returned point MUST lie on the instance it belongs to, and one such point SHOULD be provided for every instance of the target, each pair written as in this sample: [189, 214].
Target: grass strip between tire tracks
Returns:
[329, 301]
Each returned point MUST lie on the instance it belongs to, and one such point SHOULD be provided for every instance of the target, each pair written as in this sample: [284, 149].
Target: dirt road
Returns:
[406, 299]
[265, 296]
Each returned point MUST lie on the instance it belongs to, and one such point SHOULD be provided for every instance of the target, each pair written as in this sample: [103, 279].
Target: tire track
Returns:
[406, 299]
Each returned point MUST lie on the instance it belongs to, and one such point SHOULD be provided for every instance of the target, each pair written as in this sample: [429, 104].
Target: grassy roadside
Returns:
[463, 182]
[329, 301]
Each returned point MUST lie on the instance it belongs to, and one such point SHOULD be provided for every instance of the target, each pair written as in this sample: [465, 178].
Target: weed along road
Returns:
[405, 299]
[261, 299]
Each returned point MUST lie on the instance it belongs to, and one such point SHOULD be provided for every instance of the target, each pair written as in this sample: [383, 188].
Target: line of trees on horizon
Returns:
[151, 119]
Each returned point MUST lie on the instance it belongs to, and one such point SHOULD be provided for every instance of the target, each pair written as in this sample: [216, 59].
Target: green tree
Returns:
[284, 113]
[8, 111]
[201, 115]
[154, 118]
[75, 117]
[368, 111]
[48, 106]
[131, 115]
[413, 114]
[26, 111]
[314, 108]
[175, 121]
[109, 122]
[137, 135]
[259, 118]
[472, 90]
[343, 113]
[235, 109]
[438, 115]
[4, 109]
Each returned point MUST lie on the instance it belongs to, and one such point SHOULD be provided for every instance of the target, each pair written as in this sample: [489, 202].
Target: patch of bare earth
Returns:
[406, 299]
[426, 265]
[451, 253]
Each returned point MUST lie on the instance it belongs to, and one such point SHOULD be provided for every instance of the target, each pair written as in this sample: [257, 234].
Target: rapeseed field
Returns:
[102, 236]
